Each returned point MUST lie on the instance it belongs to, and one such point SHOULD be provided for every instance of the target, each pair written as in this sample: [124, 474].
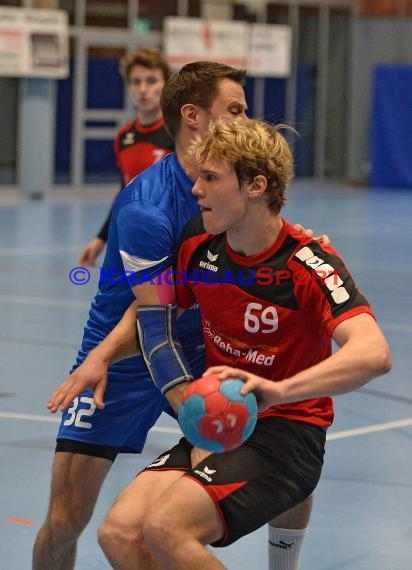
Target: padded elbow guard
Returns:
[156, 326]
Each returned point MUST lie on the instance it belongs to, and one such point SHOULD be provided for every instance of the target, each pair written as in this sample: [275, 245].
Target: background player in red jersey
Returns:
[280, 333]
[142, 141]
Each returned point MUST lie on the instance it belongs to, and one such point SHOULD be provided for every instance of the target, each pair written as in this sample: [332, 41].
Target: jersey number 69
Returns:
[256, 320]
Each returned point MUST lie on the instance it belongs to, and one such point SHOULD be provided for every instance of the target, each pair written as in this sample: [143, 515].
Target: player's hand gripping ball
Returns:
[213, 415]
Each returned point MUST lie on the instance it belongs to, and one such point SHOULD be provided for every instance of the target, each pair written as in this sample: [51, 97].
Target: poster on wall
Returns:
[264, 50]
[33, 43]
[193, 39]
[270, 50]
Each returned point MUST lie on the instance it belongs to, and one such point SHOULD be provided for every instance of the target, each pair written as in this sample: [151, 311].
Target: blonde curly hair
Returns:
[251, 147]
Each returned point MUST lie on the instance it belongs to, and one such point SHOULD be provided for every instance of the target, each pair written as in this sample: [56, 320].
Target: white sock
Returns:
[285, 548]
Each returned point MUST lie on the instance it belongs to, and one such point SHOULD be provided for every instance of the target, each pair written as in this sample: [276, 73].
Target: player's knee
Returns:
[114, 535]
[107, 537]
[63, 525]
[66, 519]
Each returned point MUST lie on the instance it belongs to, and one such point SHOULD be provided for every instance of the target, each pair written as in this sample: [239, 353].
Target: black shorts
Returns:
[275, 469]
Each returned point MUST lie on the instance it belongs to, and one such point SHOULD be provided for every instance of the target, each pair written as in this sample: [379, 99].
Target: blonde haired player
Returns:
[186, 498]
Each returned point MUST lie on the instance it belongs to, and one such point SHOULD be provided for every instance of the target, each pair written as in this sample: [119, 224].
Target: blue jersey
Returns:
[147, 220]
[145, 226]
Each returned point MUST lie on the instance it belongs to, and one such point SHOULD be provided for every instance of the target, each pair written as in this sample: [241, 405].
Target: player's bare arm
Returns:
[122, 342]
[363, 355]
[91, 251]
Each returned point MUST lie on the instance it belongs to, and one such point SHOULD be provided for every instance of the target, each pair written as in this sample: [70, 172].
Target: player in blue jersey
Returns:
[143, 235]
[147, 220]
[149, 215]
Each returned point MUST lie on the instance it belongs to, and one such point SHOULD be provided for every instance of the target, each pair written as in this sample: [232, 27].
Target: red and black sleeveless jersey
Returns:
[137, 147]
[272, 313]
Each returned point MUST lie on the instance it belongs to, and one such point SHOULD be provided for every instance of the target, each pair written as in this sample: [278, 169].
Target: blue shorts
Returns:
[132, 406]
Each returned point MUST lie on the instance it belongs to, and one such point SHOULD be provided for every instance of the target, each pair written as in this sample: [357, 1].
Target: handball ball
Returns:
[214, 416]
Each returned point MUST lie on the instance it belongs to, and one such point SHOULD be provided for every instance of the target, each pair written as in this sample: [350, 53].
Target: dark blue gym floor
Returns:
[362, 515]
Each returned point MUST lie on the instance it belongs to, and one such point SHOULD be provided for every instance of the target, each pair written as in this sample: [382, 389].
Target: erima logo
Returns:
[333, 282]
[128, 138]
[207, 265]
[205, 474]
[281, 544]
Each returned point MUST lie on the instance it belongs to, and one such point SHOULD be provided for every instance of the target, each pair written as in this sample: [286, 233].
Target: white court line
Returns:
[332, 436]
[38, 250]
[370, 429]
[44, 302]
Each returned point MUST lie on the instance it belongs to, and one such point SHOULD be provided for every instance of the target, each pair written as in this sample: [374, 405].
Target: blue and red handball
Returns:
[214, 416]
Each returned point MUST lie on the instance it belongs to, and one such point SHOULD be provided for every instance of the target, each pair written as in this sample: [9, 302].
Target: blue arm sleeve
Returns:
[156, 326]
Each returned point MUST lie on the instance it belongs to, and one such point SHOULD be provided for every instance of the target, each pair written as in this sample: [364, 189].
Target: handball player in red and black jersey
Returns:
[144, 235]
[272, 328]
[143, 141]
